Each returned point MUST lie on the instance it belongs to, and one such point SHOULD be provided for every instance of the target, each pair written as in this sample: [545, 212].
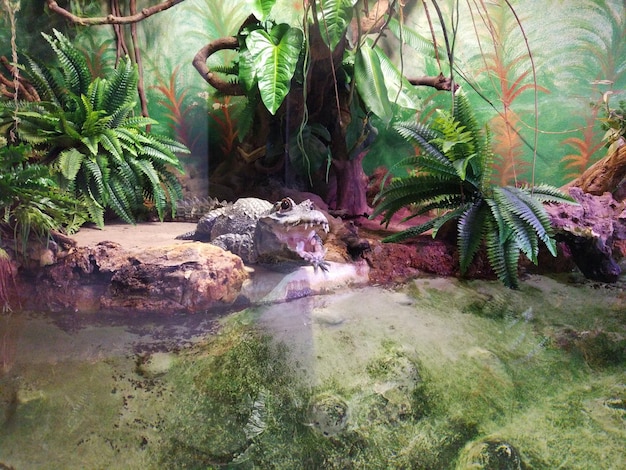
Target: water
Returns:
[435, 374]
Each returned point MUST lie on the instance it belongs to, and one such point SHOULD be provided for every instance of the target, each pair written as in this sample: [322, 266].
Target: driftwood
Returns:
[111, 19]
[591, 229]
[606, 175]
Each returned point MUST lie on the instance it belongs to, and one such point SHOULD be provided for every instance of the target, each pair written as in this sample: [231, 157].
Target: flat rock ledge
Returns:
[189, 277]
[192, 277]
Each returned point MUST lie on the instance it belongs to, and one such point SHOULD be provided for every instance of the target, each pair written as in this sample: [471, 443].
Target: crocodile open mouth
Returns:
[305, 242]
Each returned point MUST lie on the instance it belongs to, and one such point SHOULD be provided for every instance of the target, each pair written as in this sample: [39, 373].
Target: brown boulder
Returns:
[189, 277]
[172, 278]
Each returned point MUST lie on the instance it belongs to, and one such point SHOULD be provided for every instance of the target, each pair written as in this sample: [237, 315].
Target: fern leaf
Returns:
[69, 163]
[170, 144]
[521, 220]
[118, 201]
[156, 191]
[422, 136]
[410, 232]
[110, 143]
[121, 88]
[43, 81]
[534, 207]
[119, 117]
[502, 257]
[548, 193]
[73, 63]
[470, 232]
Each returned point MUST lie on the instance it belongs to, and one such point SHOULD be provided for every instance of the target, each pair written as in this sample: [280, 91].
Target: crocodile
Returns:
[261, 232]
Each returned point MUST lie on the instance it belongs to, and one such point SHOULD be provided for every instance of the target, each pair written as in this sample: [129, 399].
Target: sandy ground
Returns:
[135, 236]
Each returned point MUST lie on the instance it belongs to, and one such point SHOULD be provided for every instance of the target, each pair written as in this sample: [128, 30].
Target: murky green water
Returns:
[437, 374]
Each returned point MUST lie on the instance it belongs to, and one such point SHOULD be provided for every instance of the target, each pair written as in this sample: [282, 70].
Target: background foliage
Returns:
[569, 138]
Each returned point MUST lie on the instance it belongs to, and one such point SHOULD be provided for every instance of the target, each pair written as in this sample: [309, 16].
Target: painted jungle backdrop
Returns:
[539, 72]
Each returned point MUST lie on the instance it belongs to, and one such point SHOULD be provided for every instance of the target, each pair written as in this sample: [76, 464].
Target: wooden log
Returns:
[606, 175]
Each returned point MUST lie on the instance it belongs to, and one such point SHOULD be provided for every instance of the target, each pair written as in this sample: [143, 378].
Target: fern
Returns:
[73, 64]
[452, 173]
[88, 134]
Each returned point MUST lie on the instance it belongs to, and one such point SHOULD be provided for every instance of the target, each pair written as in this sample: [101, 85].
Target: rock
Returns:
[183, 277]
[590, 230]
[328, 414]
[491, 454]
[187, 277]
[155, 364]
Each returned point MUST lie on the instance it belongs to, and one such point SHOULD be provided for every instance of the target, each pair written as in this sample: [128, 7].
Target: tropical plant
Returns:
[88, 135]
[452, 173]
[31, 203]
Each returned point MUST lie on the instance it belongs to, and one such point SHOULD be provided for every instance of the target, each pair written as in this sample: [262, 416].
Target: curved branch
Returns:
[200, 59]
[440, 82]
[112, 19]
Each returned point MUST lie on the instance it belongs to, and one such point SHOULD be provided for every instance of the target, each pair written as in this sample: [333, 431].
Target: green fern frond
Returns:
[97, 176]
[228, 69]
[43, 81]
[417, 190]
[121, 87]
[410, 232]
[422, 136]
[69, 163]
[528, 209]
[119, 117]
[548, 193]
[428, 164]
[137, 121]
[111, 144]
[457, 209]
[170, 144]
[465, 116]
[117, 199]
[95, 92]
[503, 257]
[155, 190]
[73, 63]
[471, 232]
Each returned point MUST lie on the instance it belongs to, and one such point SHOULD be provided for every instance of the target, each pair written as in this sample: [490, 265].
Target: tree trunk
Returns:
[606, 175]
[351, 186]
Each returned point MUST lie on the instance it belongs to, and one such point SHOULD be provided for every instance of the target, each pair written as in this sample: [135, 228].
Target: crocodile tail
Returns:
[187, 236]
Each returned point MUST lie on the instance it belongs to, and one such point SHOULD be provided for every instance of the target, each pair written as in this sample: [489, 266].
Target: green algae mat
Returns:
[435, 374]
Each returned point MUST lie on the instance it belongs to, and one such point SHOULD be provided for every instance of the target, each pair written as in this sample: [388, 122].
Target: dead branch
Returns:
[112, 19]
[440, 82]
[200, 59]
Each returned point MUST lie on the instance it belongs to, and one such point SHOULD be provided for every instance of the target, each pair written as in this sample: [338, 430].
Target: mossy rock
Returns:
[329, 414]
[490, 454]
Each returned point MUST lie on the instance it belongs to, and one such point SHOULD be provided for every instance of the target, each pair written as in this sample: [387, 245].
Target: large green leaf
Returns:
[260, 8]
[275, 57]
[399, 89]
[334, 18]
[370, 83]
[409, 36]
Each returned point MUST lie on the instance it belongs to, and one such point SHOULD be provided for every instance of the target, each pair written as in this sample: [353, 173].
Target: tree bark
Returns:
[111, 19]
[606, 175]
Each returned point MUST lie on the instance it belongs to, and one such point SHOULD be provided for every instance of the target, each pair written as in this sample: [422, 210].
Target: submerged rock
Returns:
[490, 454]
[328, 414]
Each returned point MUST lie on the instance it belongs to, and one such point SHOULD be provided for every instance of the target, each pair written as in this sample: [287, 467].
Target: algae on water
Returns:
[438, 374]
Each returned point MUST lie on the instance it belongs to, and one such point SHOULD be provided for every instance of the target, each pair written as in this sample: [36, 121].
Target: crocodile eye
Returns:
[286, 204]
